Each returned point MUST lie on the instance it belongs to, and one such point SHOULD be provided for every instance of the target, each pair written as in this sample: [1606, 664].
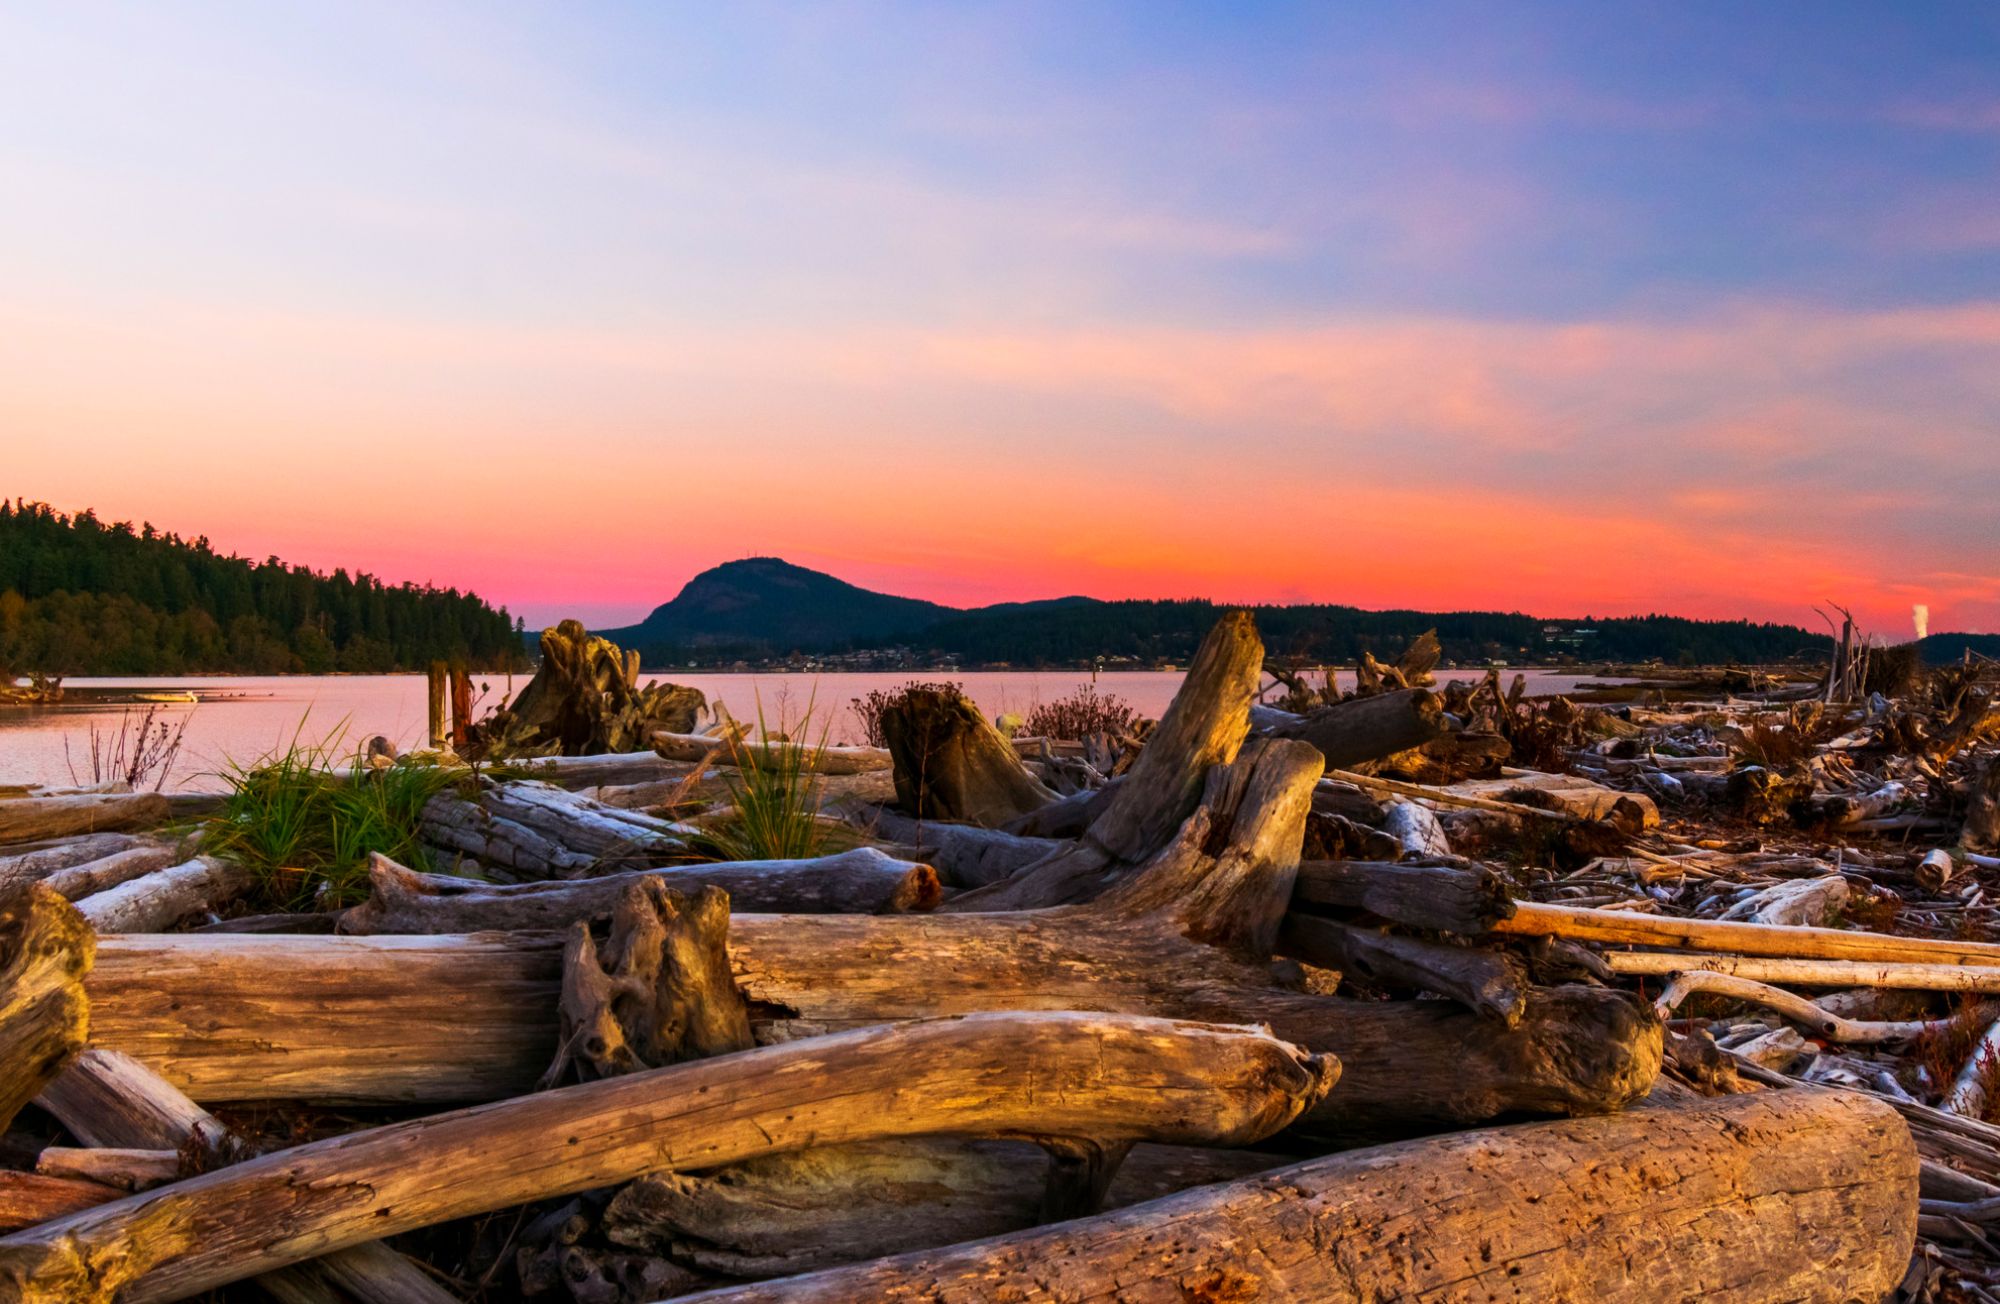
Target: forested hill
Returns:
[81, 597]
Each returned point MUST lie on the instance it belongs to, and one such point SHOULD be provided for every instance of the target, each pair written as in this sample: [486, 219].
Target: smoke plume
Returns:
[1921, 614]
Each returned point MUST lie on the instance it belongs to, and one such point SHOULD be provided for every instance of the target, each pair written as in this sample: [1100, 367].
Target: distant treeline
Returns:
[1171, 631]
[80, 597]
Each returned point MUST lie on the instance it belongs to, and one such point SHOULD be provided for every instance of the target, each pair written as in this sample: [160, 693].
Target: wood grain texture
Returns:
[1795, 1195]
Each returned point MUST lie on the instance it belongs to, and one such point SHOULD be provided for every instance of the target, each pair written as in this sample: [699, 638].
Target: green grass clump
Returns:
[306, 827]
[775, 791]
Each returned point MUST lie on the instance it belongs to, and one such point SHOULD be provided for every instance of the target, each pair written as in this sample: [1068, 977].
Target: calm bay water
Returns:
[239, 719]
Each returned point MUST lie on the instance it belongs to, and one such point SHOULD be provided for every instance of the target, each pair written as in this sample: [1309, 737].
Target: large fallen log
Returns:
[45, 950]
[964, 854]
[1189, 935]
[1797, 1195]
[108, 1099]
[1362, 728]
[1103, 1078]
[831, 1205]
[862, 881]
[159, 900]
[1446, 898]
[25, 819]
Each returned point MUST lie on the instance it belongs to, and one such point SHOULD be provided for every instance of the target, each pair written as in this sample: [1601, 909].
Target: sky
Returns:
[1565, 308]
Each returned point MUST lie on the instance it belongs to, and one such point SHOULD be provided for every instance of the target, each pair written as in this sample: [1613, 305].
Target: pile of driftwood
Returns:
[1323, 1000]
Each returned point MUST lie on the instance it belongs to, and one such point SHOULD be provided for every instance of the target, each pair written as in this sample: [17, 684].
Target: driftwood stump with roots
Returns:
[585, 700]
[950, 764]
[656, 992]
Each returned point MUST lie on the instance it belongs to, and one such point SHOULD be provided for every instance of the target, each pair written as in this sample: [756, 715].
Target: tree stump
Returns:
[585, 700]
[657, 992]
[950, 764]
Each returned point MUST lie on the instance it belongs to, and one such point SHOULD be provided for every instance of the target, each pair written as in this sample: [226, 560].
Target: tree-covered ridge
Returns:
[1150, 630]
[82, 597]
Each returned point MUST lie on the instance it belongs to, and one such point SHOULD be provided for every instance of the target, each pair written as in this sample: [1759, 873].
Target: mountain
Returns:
[765, 603]
[79, 596]
[763, 607]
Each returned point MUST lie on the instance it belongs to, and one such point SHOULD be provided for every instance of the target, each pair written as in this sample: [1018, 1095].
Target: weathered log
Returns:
[1798, 1195]
[26, 819]
[657, 992]
[125, 1169]
[1487, 982]
[1444, 898]
[1107, 1078]
[950, 764]
[1363, 728]
[93, 876]
[1815, 1018]
[1416, 830]
[1583, 923]
[1798, 903]
[1203, 727]
[161, 899]
[812, 760]
[862, 881]
[46, 949]
[549, 832]
[111, 1100]
[33, 864]
[830, 1205]
[964, 854]
[30, 1198]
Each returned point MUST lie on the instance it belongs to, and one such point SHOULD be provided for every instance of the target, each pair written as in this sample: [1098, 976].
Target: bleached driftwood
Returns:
[1484, 980]
[1892, 975]
[1586, 924]
[708, 750]
[161, 899]
[32, 864]
[1821, 1022]
[92, 876]
[548, 832]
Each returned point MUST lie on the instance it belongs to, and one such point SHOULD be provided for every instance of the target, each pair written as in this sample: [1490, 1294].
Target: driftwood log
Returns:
[1488, 982]
[108, 1099]
[45, 950]
[543, 831]
[832, 1205]
[1107, 1079]
[32, 864]
[27, 819]
[75, 882]
[1446, 898]
[156, 901]
[1362, 729]
[965, 855]
[812, 760]
[1188, 936]
[950, 764]
[862, 881]
[30, 1198]
[1583, 923]
[1797, 1195]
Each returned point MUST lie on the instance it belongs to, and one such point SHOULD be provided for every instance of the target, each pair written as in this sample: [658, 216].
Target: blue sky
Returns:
[1686, 307]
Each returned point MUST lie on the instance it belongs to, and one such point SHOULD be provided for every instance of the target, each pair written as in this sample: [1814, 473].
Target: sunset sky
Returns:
[1573, 309]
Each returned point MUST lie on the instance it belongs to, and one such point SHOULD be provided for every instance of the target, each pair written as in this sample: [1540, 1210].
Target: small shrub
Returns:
[1080, 715]
[868, 710]
[139, 758]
